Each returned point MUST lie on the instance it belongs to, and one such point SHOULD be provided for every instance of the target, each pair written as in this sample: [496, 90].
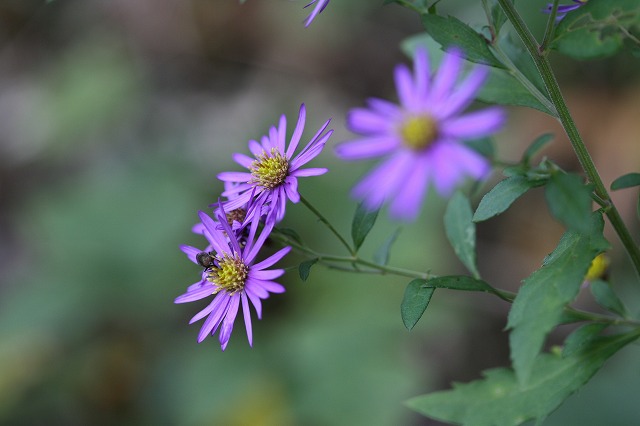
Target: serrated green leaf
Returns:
[540, 302]
[502, 196]
[535, 147]
[607, 298]
[451, 32]
[363, 221]
[304, 269]
[598, 29]
[461, 231]
[569, 200]
[581, 338]
[415, 301]
[498, 398]
[626, 181]
[381, 256]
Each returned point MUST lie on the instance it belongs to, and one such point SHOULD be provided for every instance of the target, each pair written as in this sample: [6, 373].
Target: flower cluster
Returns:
[421, 137]
[256, 200]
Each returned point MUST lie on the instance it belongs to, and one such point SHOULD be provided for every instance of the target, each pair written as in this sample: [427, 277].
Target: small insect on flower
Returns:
[205, 259]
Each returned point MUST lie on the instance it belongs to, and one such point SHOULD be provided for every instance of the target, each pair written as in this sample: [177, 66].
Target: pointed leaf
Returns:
[607, 298]
[363, 221]
[461, 231]
[539, 305]
[581, 338]
[569, 200]
[502, 196]
[381, 256]
[459, 282]
[290, 233]
[451, 32]
[305, 268]
[415, 301]
[626, 181]
[498, 399]
[535, 147]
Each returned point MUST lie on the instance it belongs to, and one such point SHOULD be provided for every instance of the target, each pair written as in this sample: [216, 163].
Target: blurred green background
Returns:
[116, 117]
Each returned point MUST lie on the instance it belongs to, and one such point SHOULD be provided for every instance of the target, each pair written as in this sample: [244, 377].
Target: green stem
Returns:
[550, 82]
[551, 26]
[328, 225]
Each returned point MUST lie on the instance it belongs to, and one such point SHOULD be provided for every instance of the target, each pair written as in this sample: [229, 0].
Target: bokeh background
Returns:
[116, 116]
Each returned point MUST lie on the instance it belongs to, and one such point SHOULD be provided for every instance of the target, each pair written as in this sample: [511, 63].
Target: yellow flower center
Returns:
[598, 268]
[230, 274]
[269, 170]
[418, 132]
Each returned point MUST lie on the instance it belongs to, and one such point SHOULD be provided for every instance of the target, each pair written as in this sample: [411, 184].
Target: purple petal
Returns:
[475, 124]
[229, 319]
[218, 240]
[385, 108]
[270, 286]
[366, 147]
[191, 252]
[313, 171]
[464, 94]
[271, 260]
[243, 160]
[196, 294]
[406, 204]
[254, 289]
[241, 177]
[255, 301]
[384, 180]
[215, 317]
[446, 76]
[255, 148]
[291, 189]
[247, 317]
[404, 86]
[365, 121]
[215, 303]
[422, 73]
[198, 284]
[266, 275]
[452, 162]
[282, 132]
[297, 133]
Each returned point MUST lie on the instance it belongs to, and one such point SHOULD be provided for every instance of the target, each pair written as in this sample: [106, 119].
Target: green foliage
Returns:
[289, 233]
[304, 269]
[381, 256]
[502, 196]
[607, 298]
[363, 221]
[451, 32]
[535, 147]
[539, 305]
[461, 231]
[569, 201]
[626, 181]
[415, 301]
[499, 399]
[581, 338]
[598, 29]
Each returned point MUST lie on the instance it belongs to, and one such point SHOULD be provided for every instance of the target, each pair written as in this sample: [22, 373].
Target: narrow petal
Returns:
[367, 122]
[446, 77]
[383, 181]
[464, 94]
[271, 260]
[217, 301]
[407, 202]
[198, 284]
[291, 189]
[215, 317]
[369, 147]
[404, 86]
[191, 252]
[452, 162]
[422, 73]
[255, 301]
[254, 290]
[218, 240]
[282, 133]
[385, 108]
[270, 286]
[196, 294]
[255, 148]
[241, 177]
[229, 319]
[475, 124]
[247, 317]
[297, 133]
[243, 160]
[266, 275]
[313, 171]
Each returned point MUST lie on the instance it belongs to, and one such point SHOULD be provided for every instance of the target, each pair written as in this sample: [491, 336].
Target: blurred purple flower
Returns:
[232, 278]
[564, 9]
[319, 7]
[421, 137]
[273, 173]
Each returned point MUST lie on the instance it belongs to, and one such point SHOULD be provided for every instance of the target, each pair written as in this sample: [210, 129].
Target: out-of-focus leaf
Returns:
[607, 298]
[581, 338]
[598, 29]
[569, 200]
[415, 301]
[626, 181]
[535, 147]
[483, 146]
[363, 221]
[381, 256]
[461, 231]
[290, 233]
[451, 32]
[459, 282]
[498, 398]
[502, 196]
[539, 305]
[305, 268]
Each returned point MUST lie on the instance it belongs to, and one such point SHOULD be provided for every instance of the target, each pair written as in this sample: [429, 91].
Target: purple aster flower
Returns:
[420, 138]
[564, 9]
[274, 171]
[319, 7]
[231, 277]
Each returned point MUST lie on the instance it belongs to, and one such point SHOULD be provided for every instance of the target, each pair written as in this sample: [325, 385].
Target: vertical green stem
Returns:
[551, 26]
[550, 82]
